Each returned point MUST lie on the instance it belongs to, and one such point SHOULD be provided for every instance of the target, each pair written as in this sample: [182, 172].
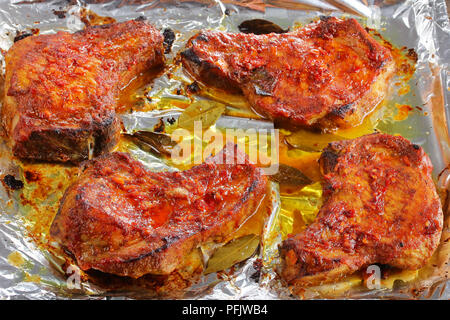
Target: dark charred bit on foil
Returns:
[193, 87]
[412, 55]
[171, 120]
[257, 265]
[169, 38]
[260, 26]
[61, 14]
[160, 126]
[324, 18]
[141, 18]
[12, 182]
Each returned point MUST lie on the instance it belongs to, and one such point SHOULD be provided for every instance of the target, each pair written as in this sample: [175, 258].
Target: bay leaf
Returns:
[311, 141]
[290, 176]
[260, 26]
[205, 111]
[233, 252]
[169, 38]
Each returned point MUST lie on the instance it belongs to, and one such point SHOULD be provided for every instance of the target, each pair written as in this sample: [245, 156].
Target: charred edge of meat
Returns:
[202, 37]
[22, 35]
[328, 159]
[342, 111]
[170, 286]
[98, 26]
[193, 87]
[190, 55]
[169, 38]
[168, 241]
[59, 141]
[208, 72]
[52, 144]
[107, 135]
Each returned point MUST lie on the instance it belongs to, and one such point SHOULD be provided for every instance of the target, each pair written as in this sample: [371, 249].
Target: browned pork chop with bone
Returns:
[61, 89]
[120, 218]
[329, 74]
[380, 206]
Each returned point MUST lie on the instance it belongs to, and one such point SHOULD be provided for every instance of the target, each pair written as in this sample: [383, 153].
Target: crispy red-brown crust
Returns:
[122, 219]
[380, 206]
[328, 74]
[61, 89]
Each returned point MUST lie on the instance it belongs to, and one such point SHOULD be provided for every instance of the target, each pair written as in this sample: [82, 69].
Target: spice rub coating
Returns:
[329, 74]
[380, 206]
[122, 219]
[61, 89]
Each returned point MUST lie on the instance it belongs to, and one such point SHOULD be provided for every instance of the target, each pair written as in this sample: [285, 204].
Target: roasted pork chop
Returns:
[380, 206]
[61, 89]
[122, 219]
[329, 74]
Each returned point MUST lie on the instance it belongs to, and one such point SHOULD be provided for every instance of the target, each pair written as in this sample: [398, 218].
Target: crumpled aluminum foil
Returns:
[29, 272]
